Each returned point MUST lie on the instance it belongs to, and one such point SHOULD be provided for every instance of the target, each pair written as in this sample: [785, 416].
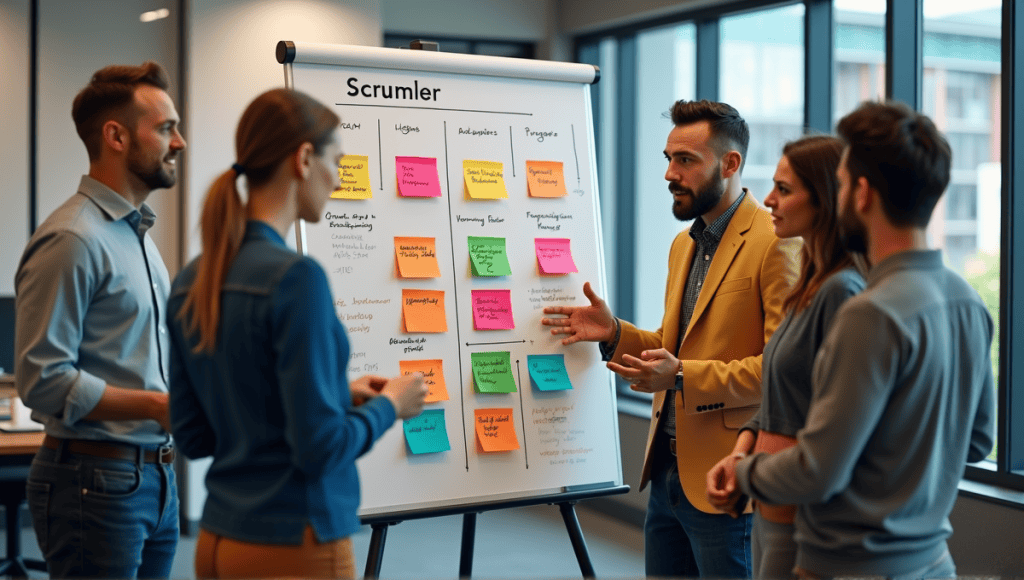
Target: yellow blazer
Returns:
[738, 309]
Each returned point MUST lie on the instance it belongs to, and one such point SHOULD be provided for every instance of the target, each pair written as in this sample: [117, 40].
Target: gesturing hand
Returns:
[365, 388]
[594, 322]
[654, 371]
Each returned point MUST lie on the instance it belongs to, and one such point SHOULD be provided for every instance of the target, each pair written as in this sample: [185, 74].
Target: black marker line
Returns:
[435, 109]
[486, 343]
[575, 155]
[512, 149]
[522, 413]
[380, 157]
[455, 293]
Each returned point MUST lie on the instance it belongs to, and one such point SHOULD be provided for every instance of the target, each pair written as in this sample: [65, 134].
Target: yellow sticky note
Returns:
[417, 257]
[423, 311]
[354, 172]
[495, 430]
[433, 377]
[545, 179]
[484, 179]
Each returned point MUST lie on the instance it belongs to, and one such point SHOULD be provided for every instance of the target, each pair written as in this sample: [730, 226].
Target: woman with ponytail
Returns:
[803, 204]
[258, 361]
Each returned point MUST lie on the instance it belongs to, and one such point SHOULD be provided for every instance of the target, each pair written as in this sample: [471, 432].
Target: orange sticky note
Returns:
[417, 257]
[354, 173]
[433, 377]
[423, 311]
[545, 179]
[495, 430]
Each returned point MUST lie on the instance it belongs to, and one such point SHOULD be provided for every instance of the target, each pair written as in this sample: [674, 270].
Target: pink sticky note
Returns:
[554, 255]
[492, 310]
[417, 177]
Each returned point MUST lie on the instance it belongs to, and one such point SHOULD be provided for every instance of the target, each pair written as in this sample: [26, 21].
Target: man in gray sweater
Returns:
[903, 392]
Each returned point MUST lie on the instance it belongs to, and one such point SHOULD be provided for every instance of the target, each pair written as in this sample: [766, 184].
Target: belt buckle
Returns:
[165, 454]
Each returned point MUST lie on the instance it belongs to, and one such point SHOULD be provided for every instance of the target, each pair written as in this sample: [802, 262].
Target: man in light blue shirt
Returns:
[92, 345]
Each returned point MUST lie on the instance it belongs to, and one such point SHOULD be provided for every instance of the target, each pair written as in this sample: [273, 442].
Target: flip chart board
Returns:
[469, 202]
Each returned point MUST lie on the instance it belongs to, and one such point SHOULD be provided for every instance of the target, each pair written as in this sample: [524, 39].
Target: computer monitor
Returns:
[7, 333]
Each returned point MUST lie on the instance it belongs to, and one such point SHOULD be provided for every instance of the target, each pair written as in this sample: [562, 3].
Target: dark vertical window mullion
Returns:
[1011, 392]
[708, 50]
[818, 43]
[904, 47]
[625, 177]
[33, 113]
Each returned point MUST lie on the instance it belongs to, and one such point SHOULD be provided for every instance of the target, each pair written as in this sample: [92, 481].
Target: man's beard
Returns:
[852, 233]
[154, 175]
[704, 199]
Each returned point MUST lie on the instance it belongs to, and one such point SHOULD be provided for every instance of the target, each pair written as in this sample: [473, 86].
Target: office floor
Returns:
[518, 543]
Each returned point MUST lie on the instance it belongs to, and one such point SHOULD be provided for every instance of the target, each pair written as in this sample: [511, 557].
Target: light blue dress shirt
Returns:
[91, 291]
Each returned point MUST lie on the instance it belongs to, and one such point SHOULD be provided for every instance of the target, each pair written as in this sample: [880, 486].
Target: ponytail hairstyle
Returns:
[814, 159]
[272, 127]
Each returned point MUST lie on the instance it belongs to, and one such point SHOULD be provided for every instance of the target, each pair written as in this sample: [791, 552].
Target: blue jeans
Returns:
[682, 541]
[103, 518]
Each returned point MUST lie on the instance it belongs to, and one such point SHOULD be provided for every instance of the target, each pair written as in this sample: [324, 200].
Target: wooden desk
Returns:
[14, 446]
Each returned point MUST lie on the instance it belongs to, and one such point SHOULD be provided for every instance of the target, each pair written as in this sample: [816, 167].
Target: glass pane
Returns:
[604, 54]
[859, 53]
[762, 64]
[666, 73]
[962, 95]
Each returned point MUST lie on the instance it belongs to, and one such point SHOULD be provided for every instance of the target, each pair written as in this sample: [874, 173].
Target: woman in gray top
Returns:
[803, 204]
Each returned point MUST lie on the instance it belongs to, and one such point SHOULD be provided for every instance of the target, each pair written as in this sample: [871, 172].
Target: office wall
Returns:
[582, 16]
[14, 127]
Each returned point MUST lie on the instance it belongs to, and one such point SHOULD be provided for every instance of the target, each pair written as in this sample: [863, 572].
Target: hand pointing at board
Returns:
[592, 323]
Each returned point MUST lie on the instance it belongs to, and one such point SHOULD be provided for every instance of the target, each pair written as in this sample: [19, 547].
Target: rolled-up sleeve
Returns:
[54, 284]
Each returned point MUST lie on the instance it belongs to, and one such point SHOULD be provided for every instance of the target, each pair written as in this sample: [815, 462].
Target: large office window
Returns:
[763, 58]
[762, 75]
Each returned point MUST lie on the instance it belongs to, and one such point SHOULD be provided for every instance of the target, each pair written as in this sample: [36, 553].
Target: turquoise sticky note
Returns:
[547, 372]
[426, 432]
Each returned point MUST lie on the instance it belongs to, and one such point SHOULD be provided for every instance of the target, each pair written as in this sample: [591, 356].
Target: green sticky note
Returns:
[492, 372]
[426, 432]
[547, 372]
[487, 257]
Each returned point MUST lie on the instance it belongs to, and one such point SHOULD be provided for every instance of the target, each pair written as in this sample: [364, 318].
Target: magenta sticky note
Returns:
[554, 255]
[417, 177]
[492, 310]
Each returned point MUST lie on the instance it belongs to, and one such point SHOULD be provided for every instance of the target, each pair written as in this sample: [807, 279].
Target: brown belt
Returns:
[111, 450]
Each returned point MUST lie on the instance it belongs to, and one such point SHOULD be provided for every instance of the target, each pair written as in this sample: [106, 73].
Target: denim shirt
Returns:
[271, 403]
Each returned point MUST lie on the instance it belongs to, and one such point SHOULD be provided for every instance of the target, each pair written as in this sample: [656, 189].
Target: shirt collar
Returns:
[909, 260]
[716, 230]
[117, 207]
[257, 230]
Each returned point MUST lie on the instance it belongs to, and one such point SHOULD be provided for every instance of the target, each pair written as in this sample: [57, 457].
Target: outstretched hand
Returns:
[594, 323]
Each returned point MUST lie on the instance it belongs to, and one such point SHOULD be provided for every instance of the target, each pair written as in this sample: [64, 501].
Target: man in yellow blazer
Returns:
[728, 276]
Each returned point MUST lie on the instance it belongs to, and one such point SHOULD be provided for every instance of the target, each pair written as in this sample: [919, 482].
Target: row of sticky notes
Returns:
[418, 177]
[423, 310]
[495, 431]
[492, 373]
[417, 257]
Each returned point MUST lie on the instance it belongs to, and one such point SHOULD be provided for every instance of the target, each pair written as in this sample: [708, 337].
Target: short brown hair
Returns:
[901, 154]
[728, 129]
[110, 95]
